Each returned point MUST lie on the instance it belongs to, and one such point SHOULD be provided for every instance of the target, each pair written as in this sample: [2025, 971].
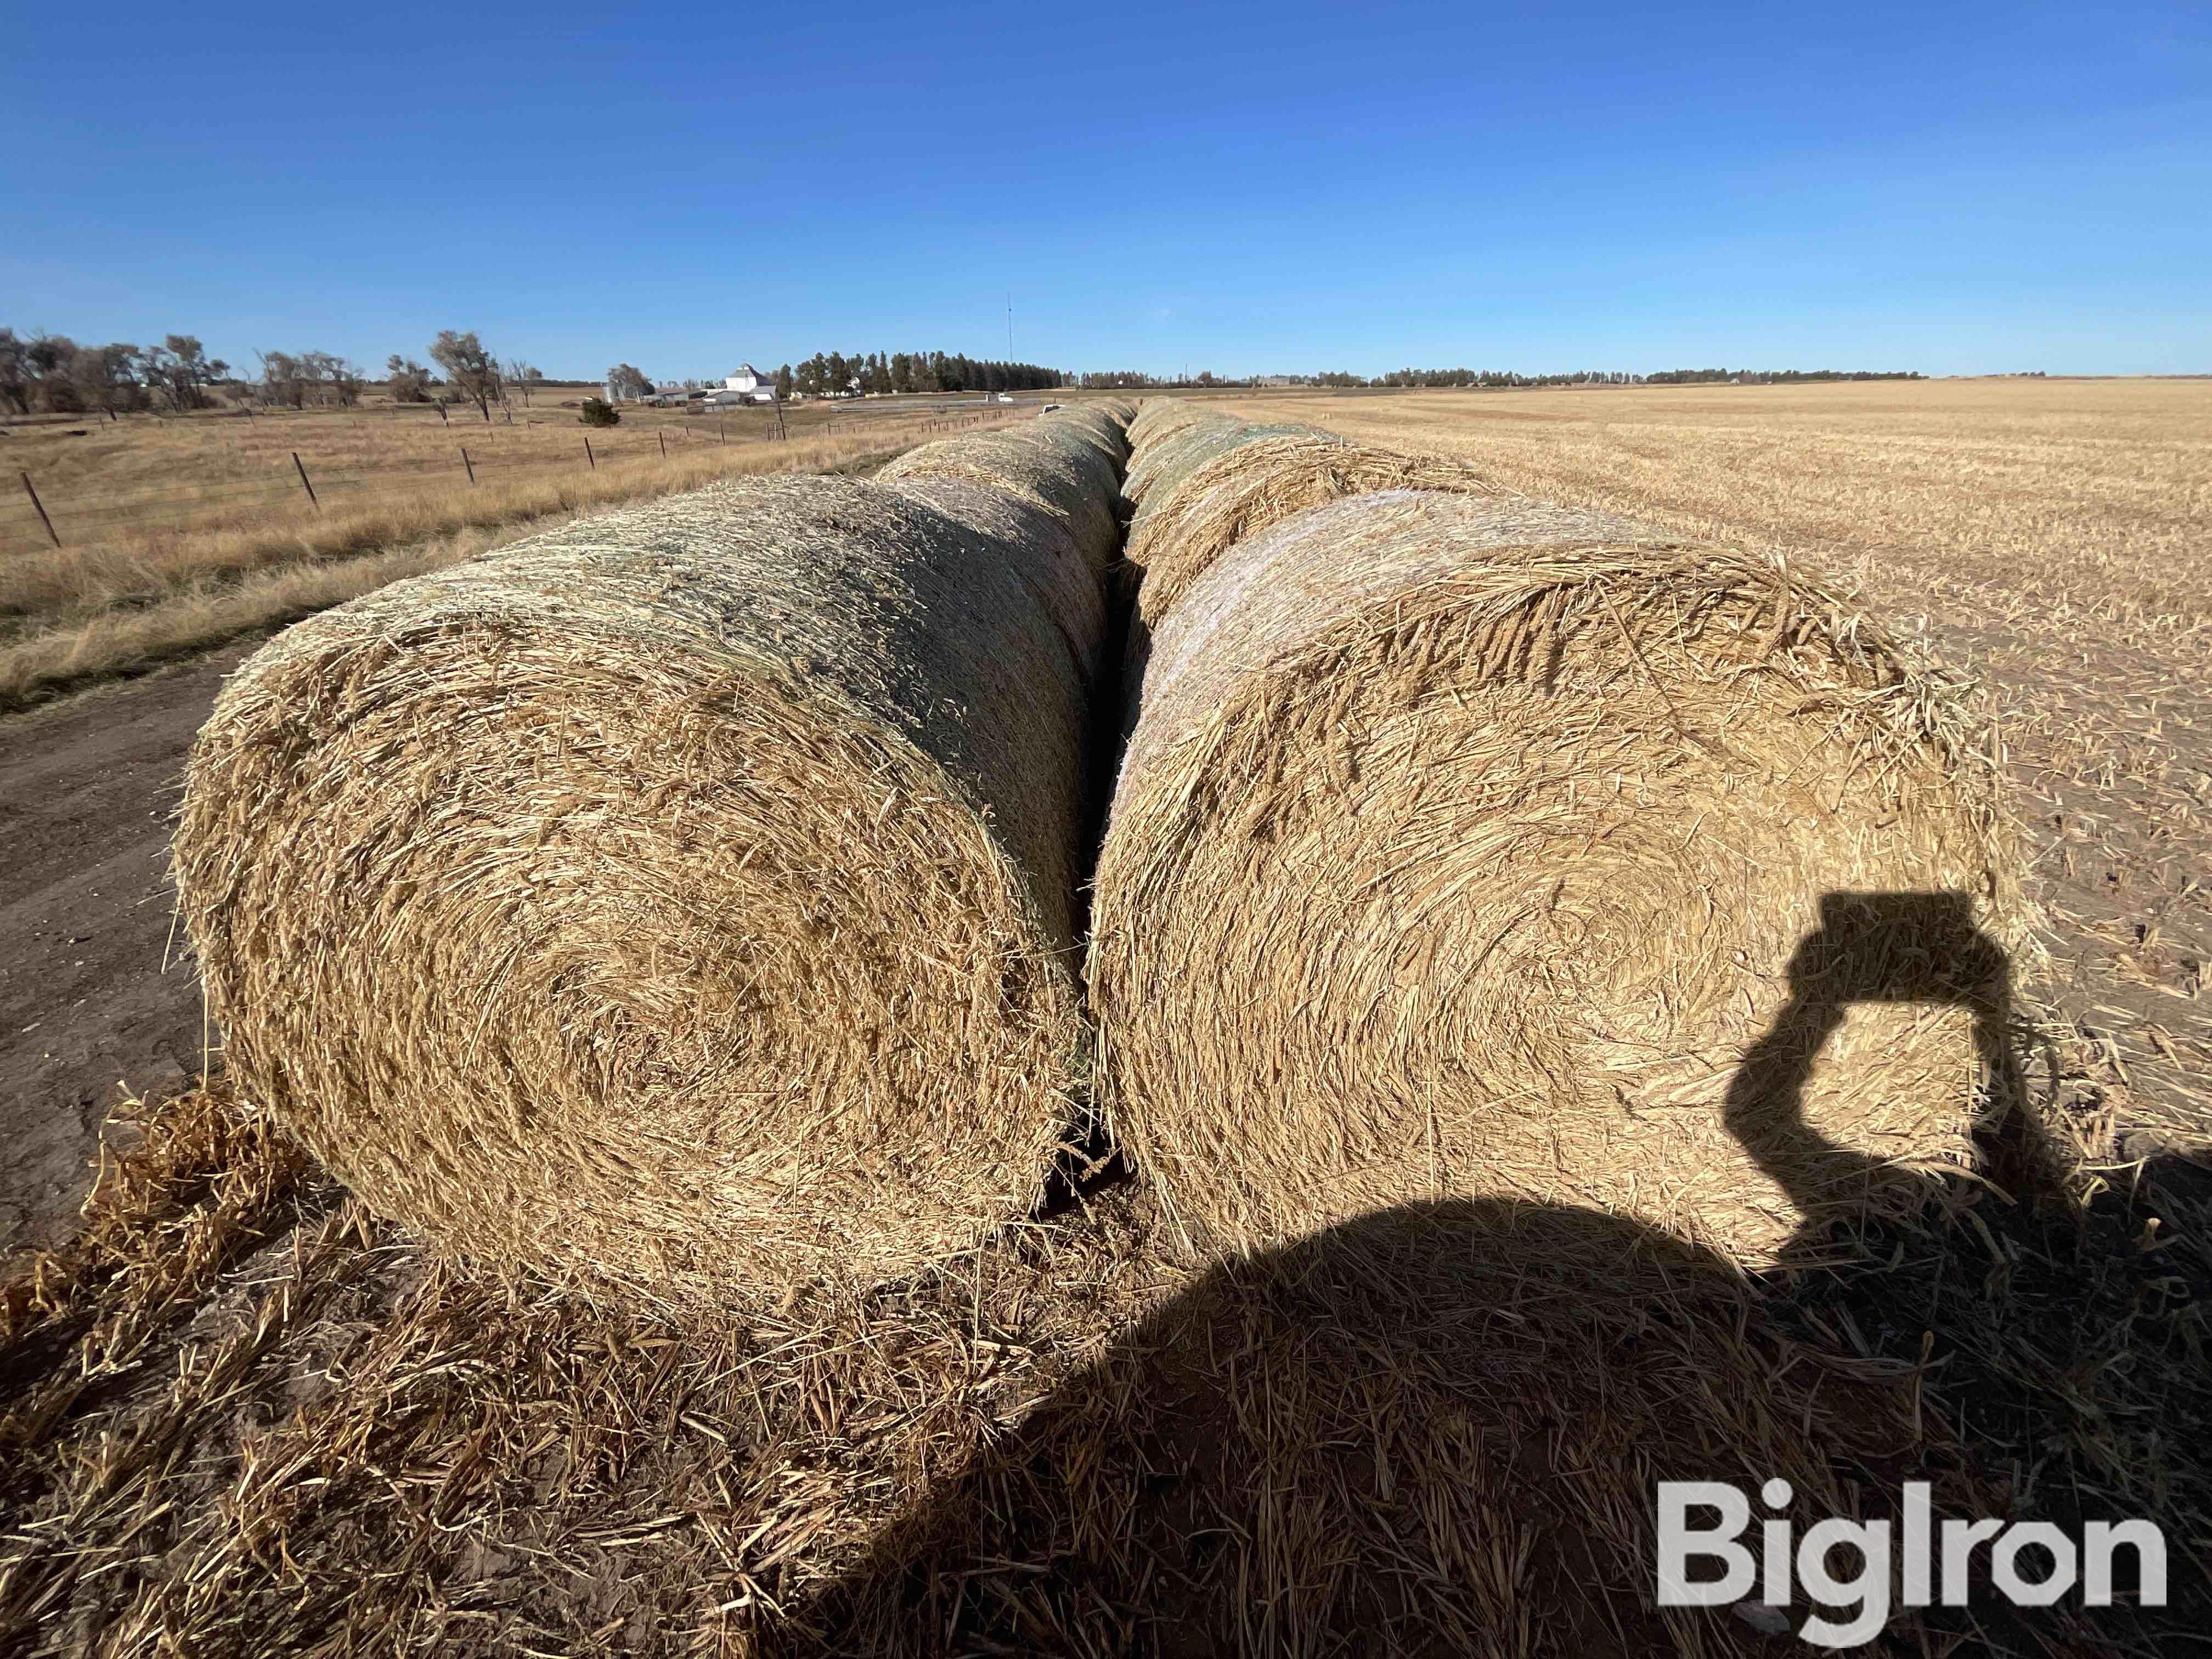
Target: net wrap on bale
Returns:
[1056, 462]
[1473, 848]
[680, 899]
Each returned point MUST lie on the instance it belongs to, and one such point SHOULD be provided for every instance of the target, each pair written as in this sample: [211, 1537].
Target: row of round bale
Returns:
[687, 897]
[1466, 846]
[683, 897]
[1512, 923]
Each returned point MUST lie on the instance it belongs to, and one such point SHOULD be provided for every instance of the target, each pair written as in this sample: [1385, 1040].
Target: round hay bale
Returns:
[1470, 848]
[1255, 486]
[1157, 417]
[1164, 447]
[1053, 568]
[1099, 424]
[680, 899]
[1052, 464]
[1164, 466]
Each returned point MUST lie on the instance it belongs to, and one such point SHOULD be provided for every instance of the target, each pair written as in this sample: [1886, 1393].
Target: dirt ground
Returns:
[89, 1015]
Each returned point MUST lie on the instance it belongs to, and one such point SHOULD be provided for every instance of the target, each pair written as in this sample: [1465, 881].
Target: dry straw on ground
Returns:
[1474, 848]
[682, 898]
[242, 1414]
[1258, 483]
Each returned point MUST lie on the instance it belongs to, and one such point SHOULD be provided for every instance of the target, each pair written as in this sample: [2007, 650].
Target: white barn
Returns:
[747, 385]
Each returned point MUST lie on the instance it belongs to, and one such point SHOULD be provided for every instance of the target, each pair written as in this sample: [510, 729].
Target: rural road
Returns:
[86, 790]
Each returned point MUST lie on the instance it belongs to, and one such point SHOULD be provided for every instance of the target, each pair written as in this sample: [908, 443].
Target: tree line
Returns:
[42, 373]
[1493, 377]
[1135, 380]
[53, 373]
[828, 374]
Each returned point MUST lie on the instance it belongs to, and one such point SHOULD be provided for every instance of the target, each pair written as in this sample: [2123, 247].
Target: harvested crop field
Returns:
[241, 1412]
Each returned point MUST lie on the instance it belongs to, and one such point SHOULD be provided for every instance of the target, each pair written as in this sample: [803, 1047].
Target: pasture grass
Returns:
[200, 567]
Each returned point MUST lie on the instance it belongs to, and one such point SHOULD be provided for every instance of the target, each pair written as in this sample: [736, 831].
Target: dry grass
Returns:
[156, 584]
[2088, 497]
[514, 983]
[211, 464]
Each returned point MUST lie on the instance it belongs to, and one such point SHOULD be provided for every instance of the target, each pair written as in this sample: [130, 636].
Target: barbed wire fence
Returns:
[36, 517]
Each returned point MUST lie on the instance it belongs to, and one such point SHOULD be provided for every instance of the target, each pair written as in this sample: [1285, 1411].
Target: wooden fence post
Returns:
[664, 445]
[309, 487]
[41, 505]
[588, 456]
[467, 463]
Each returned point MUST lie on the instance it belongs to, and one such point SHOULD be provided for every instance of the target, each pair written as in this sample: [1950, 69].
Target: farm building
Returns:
[747, 385]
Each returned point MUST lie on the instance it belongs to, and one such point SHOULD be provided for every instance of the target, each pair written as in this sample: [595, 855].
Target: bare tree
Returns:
[334, 380]
[409, 381]
[282, 381]
[473, 371]
[14, 372]
[628, 380]
[179, 370]
[109, 377]
[523, 375]
[47, 361]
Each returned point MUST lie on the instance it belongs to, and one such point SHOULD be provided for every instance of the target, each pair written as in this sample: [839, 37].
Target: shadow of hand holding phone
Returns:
[1438, 1428]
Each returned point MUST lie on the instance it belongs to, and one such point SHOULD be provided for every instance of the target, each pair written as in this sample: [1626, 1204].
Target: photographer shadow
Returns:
[1438, 1428]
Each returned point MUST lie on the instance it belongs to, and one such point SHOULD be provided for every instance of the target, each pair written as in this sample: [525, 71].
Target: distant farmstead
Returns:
[747, 385]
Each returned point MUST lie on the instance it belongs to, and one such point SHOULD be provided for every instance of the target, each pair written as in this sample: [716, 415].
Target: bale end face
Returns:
[648, 906]
[1442, 867]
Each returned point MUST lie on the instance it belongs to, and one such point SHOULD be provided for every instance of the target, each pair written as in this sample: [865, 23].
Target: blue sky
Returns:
[1245, 188]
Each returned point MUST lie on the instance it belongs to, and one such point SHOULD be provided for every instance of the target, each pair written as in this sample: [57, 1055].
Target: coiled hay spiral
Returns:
[1463, 849]
[680, 898]
[1257, 485]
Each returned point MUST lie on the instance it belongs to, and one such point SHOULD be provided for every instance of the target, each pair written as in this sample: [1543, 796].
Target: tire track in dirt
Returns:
[86, 790]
